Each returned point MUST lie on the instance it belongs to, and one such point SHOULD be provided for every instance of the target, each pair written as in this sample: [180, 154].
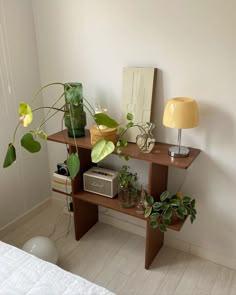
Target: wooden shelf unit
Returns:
[86, 204]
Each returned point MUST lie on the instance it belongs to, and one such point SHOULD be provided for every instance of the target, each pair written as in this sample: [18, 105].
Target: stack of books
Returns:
[61, 183]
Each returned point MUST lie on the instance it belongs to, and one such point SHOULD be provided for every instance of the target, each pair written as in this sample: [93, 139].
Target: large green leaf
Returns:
[154, 216]
[186, 200]
[25, 114]
[168, 213]
[101, 149]
[174, 202]
[179, 213]
[164, 196]
[148, 211]
[149, 199]
[162, 228]
[73, 164]
[104, 119]
[154, 224]
[157, 206]
[10, 156]
[30, 144]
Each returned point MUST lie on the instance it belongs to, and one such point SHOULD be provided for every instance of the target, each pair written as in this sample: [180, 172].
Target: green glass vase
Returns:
[74, 116]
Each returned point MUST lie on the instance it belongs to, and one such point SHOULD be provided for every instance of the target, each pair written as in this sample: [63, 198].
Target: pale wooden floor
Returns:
[114, 259]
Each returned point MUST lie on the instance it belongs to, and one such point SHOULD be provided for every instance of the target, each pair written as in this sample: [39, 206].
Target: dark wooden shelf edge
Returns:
[60, 192]
[159, 155]
[113, 203]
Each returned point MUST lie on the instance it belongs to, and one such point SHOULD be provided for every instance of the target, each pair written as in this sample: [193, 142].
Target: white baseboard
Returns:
[129, 224]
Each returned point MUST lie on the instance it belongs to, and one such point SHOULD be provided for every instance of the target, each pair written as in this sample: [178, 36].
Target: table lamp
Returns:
[180, 113]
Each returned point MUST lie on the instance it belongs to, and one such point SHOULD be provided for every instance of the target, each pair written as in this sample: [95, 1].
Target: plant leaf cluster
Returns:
[126, 178]
[160, 212]
[30, 142]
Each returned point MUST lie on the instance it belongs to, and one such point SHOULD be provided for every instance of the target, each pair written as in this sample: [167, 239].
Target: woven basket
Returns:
[96, 134]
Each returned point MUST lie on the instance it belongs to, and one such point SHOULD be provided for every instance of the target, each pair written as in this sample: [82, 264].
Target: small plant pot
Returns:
[174, 218]
[126, 197]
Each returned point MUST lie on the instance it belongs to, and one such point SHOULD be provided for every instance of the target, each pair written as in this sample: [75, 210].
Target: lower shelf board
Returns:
[113, 203]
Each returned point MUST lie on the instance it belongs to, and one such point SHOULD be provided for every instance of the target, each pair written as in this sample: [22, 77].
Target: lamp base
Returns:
[178, 152]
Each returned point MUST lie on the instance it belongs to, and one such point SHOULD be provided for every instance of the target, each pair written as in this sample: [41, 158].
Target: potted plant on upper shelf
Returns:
[169, 209]
[71, 104]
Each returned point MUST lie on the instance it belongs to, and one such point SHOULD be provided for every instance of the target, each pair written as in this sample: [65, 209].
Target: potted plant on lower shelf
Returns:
[169, 209]
[127, 187]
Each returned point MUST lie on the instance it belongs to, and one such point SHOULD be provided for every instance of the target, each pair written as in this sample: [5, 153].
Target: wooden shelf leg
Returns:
[154, 242]
[85, 216]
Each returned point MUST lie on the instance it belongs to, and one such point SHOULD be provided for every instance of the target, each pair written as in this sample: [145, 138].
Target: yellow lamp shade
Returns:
[181, 113]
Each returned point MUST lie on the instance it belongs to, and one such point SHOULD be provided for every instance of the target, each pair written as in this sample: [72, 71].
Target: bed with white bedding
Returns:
[22, 273]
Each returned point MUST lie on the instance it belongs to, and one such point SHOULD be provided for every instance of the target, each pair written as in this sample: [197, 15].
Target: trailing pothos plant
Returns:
[122, 142]
[30, 141]
[161, 212]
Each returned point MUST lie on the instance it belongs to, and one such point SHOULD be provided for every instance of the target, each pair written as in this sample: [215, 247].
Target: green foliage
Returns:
[101, 149]
[71, 94]
[129, 117]
[73, 164]
[126, 178]
[160, 212]
[104, 119]
[30, 144]
[10, 156]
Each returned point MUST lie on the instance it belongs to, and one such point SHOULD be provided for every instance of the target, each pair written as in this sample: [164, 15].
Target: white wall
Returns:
[193, 45]
[25, 184]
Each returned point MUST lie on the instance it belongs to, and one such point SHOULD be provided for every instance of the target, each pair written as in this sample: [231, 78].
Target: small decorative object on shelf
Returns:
[97, 134]
[169, 209]
[146, 141]
[128, 187]
[180, 113]
[140, 206]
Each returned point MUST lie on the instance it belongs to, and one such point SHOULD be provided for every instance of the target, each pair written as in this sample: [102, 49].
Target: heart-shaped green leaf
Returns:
[168, 213]
[162, 228]
[101, 149]
[104, 119]
[73, 164]
[149, 199]
[30, 144]
[164, 196]
[157, 206]
[154, 216]
[10, 156]
[154, 224]
[129, 116]
[25, 114]
[148, 211]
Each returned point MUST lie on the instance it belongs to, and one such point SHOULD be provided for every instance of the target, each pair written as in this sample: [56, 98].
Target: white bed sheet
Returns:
[22, 273]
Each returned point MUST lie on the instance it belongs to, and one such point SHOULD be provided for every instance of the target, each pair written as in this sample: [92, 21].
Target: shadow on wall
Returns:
[213, 188]
[216, 127]
[158, 105]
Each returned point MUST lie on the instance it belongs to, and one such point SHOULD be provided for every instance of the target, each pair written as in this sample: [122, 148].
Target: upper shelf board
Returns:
[159, 154]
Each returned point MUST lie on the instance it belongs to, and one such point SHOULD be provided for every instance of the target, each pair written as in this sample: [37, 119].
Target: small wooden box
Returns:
[96, 134]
